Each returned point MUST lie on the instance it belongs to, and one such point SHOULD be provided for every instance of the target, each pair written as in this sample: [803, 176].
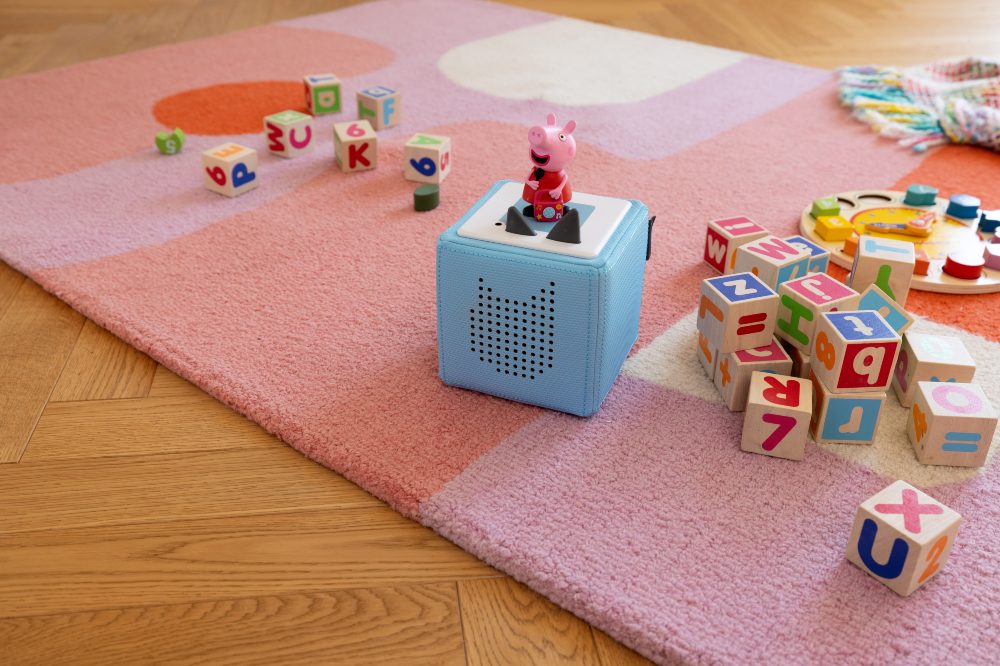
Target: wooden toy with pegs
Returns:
[777, 418]
[723, 237]
[230, 169]
[930, 358]
[734, 369]
[736, 312]
[427, 158]
[355, 145]
[381, 106]
[951, 424]
[322, 93]
[289, 133]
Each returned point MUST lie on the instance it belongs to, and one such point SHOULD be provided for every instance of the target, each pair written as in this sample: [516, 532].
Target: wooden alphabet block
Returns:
[777, 419]
[427, 158]
[854, 351]
[802, 300]
[355, 145]
[230, 169]
[772, 260]
[844, 418]
[800, 360]
[708, 355]
[733, 371]
[381, 106]
[884, 262]
[873, 298]
[724, 236]
[819, 257]
[902, 537]
[951, 424]
[737, 312]
[322, 94]
[930, 358]
[289, 133]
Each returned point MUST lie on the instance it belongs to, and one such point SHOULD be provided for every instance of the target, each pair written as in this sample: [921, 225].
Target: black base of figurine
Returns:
[566, 230]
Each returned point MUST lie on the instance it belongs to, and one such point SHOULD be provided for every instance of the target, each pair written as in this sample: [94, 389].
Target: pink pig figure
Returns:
[547, 188]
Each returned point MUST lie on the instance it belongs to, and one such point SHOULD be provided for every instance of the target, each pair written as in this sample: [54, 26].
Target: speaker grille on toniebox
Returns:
[514, 337]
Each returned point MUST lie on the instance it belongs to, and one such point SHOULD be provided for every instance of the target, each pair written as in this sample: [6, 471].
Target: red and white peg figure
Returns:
[777, 418]
[289, 133]
[552, 149]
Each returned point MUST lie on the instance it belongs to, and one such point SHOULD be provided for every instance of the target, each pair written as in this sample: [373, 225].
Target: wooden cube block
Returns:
[884, 262]
[930, 358]
[844, 418]
[819, 257]
[951, 424]
[833, 228]
[902, 537]
[427, 158]
[724, 236]
[800, 360]
[355, 145]
[772, 260]
[737, 312]
[733, 371]
[854, 351]
[289, 133]
[381, 106]
[777, 419]
[873, 298]
[708, 355]
[802, 300]
[230, 169]
[322, 94]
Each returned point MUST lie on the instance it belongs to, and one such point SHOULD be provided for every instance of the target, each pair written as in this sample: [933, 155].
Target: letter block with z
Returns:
[802, 300]
[230, 169]
[772, 260]
[902, 537]
[736, 312]
[930, 358]
[733, 371]
[884, 262]
[854, 351]
[289, 133]
[724, 236]
[427, 158]
[951, 424]
[777, 419]
[381, 106]
[355, 145]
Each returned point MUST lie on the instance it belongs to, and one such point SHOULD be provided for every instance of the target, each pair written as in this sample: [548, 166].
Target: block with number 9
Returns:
[854, 351]
[427, 158]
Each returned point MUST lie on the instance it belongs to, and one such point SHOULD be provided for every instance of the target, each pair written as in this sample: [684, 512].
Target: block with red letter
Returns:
[289, 133]
[772, 260]
[724, 236]
[854, 351]
[802, 300]
[230, 169]
[355, 145]
[844, 418]
[733, 371]
[322, 94]
[708, 356]
[381, 106]
[884, 262]
[951, 424]
[930, 358]
[427, 158]
[777, 419]
[902, 537]
[736, 312]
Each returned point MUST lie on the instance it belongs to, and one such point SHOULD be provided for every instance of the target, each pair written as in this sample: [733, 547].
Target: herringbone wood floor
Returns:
[142, 519]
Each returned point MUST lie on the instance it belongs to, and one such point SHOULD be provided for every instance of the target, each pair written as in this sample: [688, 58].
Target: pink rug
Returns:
[308, 305]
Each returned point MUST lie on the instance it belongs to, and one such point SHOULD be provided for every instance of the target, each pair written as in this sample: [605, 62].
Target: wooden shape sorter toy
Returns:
[802, 300]
[930, 358]
[844, 418]
[355, 145]
[381, 106]
[723, 237]
[951, 424]
[772, 260]
[322, 93]
[854, 351]
[289, 133]
[885, 262]
[230, 169]
[777, 418]
[902, 537]
[736, 312]
[875, 299]
[427, 158]
[733, 371]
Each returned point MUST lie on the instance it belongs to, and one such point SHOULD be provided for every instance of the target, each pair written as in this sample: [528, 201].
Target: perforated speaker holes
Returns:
[516, 338]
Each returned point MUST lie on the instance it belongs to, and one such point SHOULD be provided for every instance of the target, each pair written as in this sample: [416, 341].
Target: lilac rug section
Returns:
[649, 520]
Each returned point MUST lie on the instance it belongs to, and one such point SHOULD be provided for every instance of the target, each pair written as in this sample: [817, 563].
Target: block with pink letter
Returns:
[289, 133]
[801, 302]
[777, 418]
[736, 312]
[724, 236]
[733, 371]
[930, 358]
[951, 424]
[427, 158]
[772, 260]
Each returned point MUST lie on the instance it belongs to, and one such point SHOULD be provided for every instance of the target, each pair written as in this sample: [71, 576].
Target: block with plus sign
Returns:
[801, 302]
[733, 371]
[854, 351]
[772, 260]
[930, 358]
[902, 537]
[884, 262]
[844, 418]
[951, 424]
[736, 312]
[777, 417]
[724, 236]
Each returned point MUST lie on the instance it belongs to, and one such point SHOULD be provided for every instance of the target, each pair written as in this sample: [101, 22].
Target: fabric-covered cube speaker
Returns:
[532, 319]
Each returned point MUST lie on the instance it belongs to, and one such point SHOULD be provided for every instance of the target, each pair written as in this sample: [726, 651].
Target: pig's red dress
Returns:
[547, 181]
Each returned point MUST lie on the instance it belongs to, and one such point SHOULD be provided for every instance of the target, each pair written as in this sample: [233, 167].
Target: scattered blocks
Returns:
[935, 358]
[833, 228]
[355, 145]
[426, 197]
[170, 143]
[902, 537]
[885, 262]
[724, 236]
[230, 169]
[819, 257]
[965, 265]
[963, 207]
[708, 355]
[289, 133]
[920, 195]
[772, 260]
[777, 418]
[951, 424]
[736, 312]
[322, 94]
[733, 371]
[803, 299]
[838, 418]
[427, 158]
[825, 207]
[875, 299]
[382, 106]
[855, 351]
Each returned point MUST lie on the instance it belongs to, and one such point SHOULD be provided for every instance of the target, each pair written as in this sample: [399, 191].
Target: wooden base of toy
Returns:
[949, 235]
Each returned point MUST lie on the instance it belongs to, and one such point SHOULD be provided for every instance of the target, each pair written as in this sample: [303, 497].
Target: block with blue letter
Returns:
[819, 257]
[381, 106]
[737, 311]
[902, 537]
[427, 158]
[844, 418]
[529, 318]
[951, 424]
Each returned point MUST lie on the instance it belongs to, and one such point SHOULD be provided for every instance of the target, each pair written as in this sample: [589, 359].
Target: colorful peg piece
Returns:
[833, 228]
[992, 256]
[825, 207]
[921, 261]
[964, 265]
[170, 143]
[989, 221]
[963, 207]
[920, 195]
[426, 197]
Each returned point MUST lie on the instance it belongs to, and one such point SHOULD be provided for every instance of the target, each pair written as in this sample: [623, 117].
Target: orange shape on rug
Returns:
[228, 108]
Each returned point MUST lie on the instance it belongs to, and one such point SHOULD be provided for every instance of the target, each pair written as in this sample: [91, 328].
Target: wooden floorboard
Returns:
[102, 367]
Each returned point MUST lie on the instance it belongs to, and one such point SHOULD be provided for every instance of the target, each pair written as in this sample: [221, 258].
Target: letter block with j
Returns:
[427, 158]
[736, 312]
[884, 262]
[902, 537]
[355, 145]
[724, 236]
[777, 419]
[803, 299]
[854, 351]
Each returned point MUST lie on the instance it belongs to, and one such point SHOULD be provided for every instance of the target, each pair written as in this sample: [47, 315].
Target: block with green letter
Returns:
[884, 262]
[801, 301]
[427, 158]
[322, 93]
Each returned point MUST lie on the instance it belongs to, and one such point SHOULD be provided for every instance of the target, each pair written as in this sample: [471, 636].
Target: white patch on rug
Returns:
[577, 63]
[670, 361]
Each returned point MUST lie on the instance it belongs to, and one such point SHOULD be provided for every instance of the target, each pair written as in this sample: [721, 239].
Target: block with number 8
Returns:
[854, 351]
[777, 418]
[427, 158]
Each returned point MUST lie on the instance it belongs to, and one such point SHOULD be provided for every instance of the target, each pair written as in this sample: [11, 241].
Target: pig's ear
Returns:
[570, 126]
[551, 119]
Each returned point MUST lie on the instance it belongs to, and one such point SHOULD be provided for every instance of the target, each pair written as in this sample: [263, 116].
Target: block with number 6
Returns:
[355, 145]
[854, 351]
[427, 158]
[230, 169]
[777, 419]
